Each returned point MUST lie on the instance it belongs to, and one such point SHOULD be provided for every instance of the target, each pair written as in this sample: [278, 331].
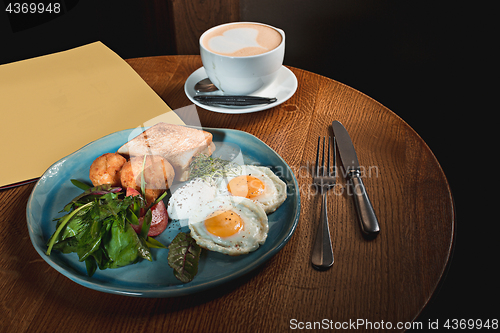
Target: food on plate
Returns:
[98, 228]
[224, 204]
[159, 219]
[177, 144]
[189, 198]
[159, 216]
[146, 176]
[263, 192]
[208, 167]
[106, 169]
[183, 257]
[155, 171]
[230, 225]
[257, 183]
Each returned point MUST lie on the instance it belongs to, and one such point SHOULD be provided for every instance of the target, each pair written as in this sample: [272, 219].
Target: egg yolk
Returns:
[246, 186]
[223, 223]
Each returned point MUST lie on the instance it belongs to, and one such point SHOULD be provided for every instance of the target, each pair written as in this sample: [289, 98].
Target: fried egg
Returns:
[256, 183]
[230, 225]
[189, 198]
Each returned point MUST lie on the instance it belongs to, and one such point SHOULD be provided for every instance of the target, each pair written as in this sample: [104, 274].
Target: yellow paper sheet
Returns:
[53, 105]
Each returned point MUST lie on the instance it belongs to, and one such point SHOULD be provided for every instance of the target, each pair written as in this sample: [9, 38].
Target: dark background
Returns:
[427, 61]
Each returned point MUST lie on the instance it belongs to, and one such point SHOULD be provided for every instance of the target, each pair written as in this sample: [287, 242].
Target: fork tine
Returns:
[323, 159]
[334, 151]
[317, 158]
[328, 159]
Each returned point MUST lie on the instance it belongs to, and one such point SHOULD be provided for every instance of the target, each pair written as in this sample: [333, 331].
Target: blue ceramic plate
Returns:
[156, 279]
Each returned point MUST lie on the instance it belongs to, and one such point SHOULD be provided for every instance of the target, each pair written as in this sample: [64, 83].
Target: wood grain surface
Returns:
[190, 18]
[388, 279]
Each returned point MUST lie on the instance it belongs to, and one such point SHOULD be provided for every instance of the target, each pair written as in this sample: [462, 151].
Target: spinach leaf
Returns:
[68, 245]
[133, 214]
[90, 239]
[80, 185]
[90, 194]
[63, 222]
[146, 224]
[91, 265]
[75, 225]
[124, 246]
[98, 228]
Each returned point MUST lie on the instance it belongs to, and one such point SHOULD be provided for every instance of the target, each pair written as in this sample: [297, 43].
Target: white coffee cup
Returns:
[236, 73]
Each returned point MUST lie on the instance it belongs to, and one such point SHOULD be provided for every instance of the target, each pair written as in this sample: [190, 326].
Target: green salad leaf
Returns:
[80, 184]
[97, 227]
[183, 257]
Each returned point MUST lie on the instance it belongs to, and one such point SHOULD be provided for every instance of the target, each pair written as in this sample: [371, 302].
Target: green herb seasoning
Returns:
[209, 168]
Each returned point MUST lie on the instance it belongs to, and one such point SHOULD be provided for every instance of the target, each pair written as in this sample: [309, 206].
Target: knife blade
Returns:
[364, 209]
[233, 100]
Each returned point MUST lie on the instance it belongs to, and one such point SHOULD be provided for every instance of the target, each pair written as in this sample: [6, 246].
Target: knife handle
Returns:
[364, 208]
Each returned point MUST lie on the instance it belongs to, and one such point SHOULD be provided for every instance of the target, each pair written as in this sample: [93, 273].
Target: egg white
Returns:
[189, 198]
[248, 239]
[275, 189]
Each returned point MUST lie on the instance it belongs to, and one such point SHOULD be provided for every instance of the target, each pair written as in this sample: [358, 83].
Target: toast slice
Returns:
[177, 144]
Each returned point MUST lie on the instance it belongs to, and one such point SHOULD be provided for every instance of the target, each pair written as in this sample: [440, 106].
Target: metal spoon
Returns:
[205, 85]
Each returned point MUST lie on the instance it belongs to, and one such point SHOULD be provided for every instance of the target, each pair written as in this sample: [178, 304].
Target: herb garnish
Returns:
[209, 168]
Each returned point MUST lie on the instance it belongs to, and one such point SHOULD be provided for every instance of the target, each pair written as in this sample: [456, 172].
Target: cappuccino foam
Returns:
[241, 40]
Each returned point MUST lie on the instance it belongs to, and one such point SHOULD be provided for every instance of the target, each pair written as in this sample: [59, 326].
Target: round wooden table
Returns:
[377, 285]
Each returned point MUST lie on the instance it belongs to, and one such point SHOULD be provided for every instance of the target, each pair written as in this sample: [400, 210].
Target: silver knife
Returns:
[366, 215]
[233, 100]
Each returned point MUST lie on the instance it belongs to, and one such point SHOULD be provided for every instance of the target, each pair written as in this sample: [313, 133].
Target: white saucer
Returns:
[282, 88]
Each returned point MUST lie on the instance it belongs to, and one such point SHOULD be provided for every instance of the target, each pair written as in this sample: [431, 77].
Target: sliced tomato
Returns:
[159, 221]
[159, 214]
[132, 192]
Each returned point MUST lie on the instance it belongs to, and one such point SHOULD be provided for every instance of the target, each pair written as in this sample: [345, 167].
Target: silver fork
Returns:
[323, 180]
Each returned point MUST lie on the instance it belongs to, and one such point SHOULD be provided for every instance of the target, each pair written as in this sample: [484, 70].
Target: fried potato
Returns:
[106, 169]
[158, 175]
